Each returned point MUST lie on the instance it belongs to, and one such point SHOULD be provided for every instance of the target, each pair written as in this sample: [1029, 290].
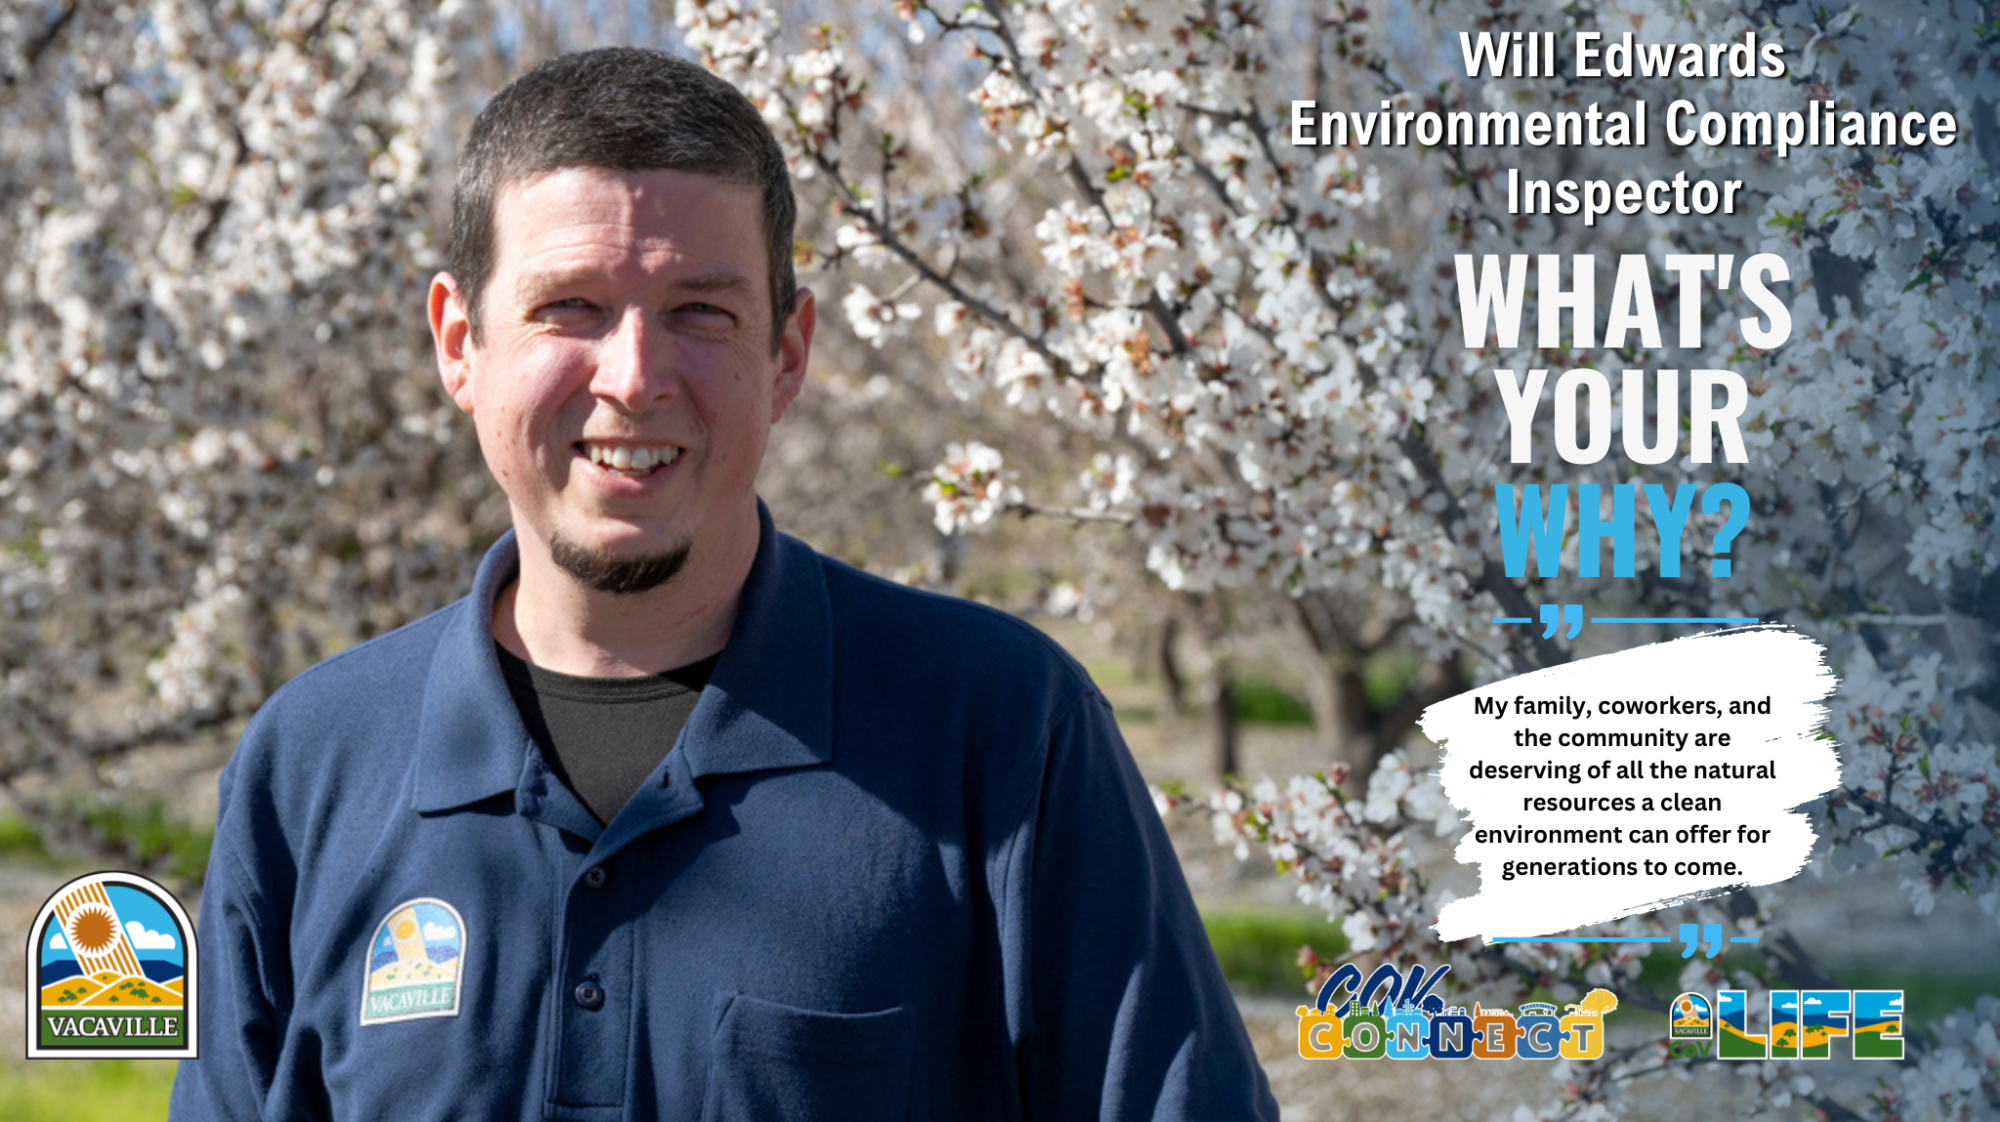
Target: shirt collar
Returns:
[769, 703]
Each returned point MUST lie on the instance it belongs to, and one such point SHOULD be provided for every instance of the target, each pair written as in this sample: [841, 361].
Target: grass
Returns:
[1258, 701]
[81, 1090]
[145, 834]
[1259, 951]
[19, 843]
[1388, 676]
[158, 837]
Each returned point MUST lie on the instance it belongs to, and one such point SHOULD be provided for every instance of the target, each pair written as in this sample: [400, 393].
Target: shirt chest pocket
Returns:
[777, 1062]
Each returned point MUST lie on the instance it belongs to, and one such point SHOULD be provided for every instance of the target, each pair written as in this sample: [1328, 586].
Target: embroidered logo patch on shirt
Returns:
[416, 962]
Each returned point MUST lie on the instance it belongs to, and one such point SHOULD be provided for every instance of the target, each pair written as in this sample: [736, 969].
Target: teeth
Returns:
[625, 458]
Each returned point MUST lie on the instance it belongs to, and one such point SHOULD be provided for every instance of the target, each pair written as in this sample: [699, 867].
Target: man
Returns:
[672, 817]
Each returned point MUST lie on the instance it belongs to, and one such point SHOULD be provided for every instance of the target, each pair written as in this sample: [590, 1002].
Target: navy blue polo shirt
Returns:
[898, 865]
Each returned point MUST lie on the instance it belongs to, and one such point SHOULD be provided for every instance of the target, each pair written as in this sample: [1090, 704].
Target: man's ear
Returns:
[451, 332]
[794, 348]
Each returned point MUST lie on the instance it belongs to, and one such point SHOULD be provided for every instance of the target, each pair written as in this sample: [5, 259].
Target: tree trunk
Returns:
[1333, 687]
[1173, 684]
[1223, 735]
[1972, 629]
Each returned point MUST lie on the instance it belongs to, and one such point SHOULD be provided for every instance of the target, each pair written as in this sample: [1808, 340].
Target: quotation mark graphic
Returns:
[1711, 934]
[1556, 614]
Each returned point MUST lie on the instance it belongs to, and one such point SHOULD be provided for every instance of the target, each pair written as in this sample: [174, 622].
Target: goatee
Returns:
[623, 576]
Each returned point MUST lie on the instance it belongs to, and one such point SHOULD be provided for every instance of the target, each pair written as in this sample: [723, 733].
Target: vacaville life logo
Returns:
[111, 972]
[1397, 1017]
[1804, 1025]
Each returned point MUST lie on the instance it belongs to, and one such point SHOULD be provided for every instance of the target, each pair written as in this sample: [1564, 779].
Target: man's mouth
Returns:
[631, 460]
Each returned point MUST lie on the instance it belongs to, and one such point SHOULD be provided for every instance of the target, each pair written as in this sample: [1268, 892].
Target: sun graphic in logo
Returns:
[92, 930]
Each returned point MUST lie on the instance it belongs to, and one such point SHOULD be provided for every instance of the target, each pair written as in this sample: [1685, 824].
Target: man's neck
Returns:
[555, 622]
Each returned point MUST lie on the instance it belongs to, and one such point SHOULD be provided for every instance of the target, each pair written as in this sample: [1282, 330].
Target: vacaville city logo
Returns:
[111, 972]
[1803, 1025]
[1395, 1016]
[414, 963]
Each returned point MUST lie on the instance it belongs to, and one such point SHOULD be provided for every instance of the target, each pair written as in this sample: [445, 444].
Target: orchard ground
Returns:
[1861, 926]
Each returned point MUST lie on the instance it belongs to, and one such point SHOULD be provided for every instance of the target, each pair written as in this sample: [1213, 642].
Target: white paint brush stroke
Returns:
[1737, 665]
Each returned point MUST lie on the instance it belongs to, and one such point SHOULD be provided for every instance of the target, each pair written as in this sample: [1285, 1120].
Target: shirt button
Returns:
[594, 877]
[589, 994]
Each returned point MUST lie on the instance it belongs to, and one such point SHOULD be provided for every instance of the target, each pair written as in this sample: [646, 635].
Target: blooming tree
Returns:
[220, 458]
[1279, 400]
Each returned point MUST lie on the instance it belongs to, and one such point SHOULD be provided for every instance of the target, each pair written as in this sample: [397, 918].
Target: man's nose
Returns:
[635, 368]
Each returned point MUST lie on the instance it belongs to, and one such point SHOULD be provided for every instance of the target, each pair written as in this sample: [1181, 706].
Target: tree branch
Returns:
[110, 747]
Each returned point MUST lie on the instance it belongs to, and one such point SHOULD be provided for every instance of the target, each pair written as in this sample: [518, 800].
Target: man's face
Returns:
[624, 382]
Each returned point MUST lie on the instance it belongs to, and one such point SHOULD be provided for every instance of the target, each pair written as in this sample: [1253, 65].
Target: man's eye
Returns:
[705, 310]
[565, 307]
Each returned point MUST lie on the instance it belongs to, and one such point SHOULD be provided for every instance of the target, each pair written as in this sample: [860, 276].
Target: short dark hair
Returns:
[622, 109]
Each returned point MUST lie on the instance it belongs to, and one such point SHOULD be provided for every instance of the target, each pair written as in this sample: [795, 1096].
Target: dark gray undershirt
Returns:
[603, 736]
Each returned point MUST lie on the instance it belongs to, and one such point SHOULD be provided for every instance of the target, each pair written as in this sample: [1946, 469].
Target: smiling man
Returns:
[672, 817]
